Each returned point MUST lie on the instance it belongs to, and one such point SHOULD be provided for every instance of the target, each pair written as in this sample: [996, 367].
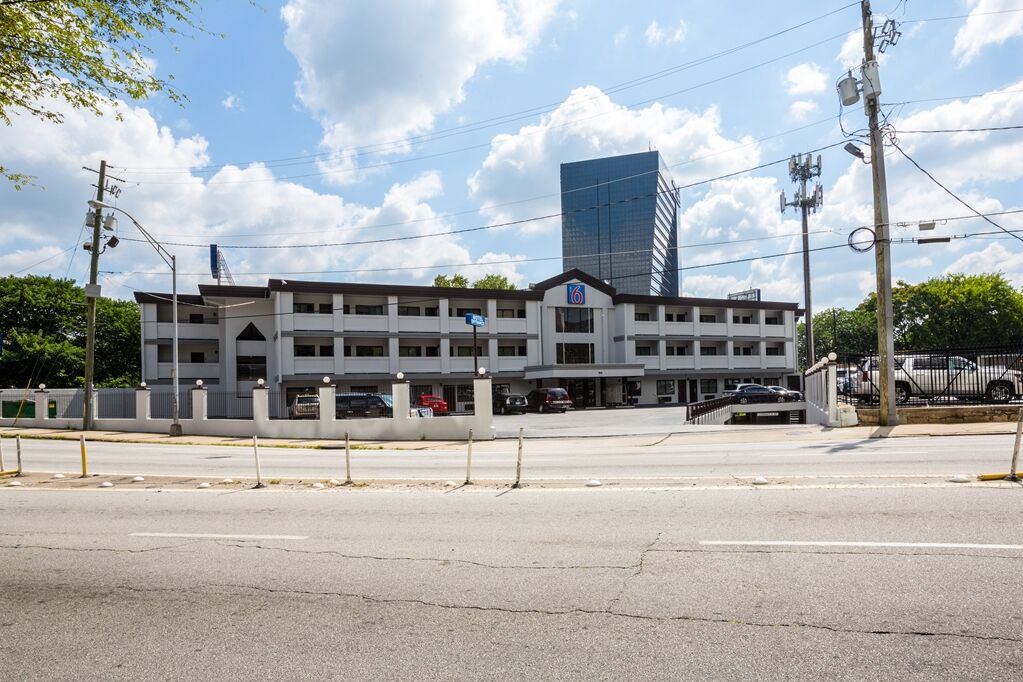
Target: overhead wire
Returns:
[507, 118]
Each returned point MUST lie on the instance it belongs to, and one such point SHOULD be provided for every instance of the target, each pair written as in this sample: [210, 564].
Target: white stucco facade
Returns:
[604, 347]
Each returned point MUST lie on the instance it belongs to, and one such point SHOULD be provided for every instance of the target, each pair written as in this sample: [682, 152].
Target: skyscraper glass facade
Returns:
[620, 222]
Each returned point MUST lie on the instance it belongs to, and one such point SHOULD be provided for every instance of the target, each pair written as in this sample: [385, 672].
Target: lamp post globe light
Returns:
[171, 261]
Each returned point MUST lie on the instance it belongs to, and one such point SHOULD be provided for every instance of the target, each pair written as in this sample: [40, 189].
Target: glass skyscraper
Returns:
[620, 222]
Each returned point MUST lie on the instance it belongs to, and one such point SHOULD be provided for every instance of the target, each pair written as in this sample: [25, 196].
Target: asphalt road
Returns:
[645, 458]
[533, 584]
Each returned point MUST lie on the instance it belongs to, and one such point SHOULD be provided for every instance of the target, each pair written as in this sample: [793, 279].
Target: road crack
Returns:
[443, 562]
[617, 614]
[639, 566]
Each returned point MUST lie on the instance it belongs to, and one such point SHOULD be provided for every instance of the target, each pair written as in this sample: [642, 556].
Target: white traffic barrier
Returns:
[593, 483]
[106, 484]
[468, 461]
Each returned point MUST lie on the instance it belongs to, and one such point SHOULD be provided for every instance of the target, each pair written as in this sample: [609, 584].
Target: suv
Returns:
[353, 405]
[931, 376]
[508, 403]
[304, 407]
[547, 399]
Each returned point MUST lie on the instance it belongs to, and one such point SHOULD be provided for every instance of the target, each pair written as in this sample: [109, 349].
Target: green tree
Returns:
[85, 53]
[453, 282]
[942, 312]
[42, 321]
[494, 282]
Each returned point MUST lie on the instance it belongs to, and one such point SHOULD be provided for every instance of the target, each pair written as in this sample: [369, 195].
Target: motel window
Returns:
[708, 350]
[304, 308]
[573, 320]
[410, 352]
[197, 357]
[369, 309]
[708, 318]
[305, 350]
[325, 308]
[772, 319]
[409, 311]
[369, 352]
[665, 387]
[708, 385]
[327, 350]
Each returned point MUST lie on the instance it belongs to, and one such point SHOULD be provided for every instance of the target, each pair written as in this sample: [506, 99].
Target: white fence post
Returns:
[42, 403]
[199, 403]
[142, 409]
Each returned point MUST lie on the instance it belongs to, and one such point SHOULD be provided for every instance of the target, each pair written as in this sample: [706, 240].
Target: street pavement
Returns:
[795, 454]
[577, 584]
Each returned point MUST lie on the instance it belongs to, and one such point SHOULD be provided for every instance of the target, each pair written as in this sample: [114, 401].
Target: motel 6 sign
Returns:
[577, 294]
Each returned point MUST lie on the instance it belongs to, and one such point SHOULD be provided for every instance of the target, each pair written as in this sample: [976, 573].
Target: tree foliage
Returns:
[462, 282]
[942, 312]
[85, 53]
[42, 321]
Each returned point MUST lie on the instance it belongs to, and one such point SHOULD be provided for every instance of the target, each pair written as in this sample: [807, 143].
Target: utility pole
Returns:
[801, 170]
[91, 294]
[887, 414]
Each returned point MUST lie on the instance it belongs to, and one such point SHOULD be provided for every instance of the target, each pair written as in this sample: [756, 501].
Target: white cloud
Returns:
[982, 28]
[655, 35]
[806, 79]
[231, 101]
[232, 203]
[994, 258]
[587, 125]
[621, 35]
[382, 71]
[850, 55]
[802, 108]
[15, 261]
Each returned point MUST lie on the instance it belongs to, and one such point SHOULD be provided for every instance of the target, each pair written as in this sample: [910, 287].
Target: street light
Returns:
[170, 260]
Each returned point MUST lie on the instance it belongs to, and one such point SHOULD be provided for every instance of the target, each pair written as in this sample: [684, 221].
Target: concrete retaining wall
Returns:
[399, 427]
[966, 414]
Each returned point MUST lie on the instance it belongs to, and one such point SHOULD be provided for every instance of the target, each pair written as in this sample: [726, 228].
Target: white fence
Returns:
[822, 406]
[401, 426]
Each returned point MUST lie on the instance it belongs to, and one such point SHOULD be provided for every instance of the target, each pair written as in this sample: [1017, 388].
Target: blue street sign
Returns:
[577, 294]
[475, 320]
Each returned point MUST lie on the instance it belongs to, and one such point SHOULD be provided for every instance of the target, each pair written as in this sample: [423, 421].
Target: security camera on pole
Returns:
[849, 90]
[801, 170]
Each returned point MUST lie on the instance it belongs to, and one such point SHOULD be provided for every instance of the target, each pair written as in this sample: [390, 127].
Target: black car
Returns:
[548, 400]
[754, 393]
[509, 403]
[355, 405]
[787, 392]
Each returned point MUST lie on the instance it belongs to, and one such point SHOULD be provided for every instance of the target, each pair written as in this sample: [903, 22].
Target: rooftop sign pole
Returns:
[475, 321]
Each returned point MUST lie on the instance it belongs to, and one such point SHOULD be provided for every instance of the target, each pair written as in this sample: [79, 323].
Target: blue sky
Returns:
[322, 122]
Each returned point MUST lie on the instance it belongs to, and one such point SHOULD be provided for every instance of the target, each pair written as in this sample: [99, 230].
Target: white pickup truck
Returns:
[934, 376]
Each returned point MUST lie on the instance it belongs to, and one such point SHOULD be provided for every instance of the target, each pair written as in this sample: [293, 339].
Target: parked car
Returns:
[509, 403]
[789, 394]
[932, 376]
[304, 407]
[755, 393]
[356, 405]
[434, 402]
[730, 389]
[548, 400]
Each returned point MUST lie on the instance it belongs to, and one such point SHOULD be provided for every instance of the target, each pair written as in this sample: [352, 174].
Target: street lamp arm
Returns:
[164, 254]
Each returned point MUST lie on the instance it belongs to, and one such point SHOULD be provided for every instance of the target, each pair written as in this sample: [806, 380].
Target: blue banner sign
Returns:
[475, 320]
[577, 294]
[214, 261]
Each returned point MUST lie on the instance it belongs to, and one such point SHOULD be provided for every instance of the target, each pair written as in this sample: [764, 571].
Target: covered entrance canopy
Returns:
[584, 371]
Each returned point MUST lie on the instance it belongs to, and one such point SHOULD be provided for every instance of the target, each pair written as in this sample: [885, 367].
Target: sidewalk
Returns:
[682, 435]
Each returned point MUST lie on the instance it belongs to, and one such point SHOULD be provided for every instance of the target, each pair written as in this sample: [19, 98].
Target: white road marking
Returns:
[800, 543]
[220, 536]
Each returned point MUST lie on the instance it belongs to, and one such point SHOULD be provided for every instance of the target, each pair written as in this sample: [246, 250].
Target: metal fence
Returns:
[971, 375]
[277, 404]
[70, 403]
[116, 403]
[161, 404]
[222, 404]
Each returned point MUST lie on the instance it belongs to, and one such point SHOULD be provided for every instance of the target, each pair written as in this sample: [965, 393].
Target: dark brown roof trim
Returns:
[575, 273]
[228, 291]
[296, 286]
[187, 299]
[716, 302]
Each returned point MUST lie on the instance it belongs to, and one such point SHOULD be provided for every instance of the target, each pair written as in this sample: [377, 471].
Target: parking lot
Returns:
[624, 421]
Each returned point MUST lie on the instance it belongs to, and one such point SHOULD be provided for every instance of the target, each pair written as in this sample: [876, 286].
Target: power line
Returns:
[606, 183]
[492, 225]
[45, 260]
[952, 194]
[524, 113]
[481, 265]
[560, 125]
[963, 130]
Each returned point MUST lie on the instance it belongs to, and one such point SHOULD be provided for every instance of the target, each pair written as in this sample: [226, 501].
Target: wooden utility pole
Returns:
[91, 294]
[887, 414]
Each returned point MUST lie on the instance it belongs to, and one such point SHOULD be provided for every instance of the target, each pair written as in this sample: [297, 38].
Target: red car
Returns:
[434, 402]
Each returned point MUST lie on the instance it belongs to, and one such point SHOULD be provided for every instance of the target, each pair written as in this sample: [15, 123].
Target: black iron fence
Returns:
[706, 411]
[161, 404]
[977, 375]
[228, 405]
